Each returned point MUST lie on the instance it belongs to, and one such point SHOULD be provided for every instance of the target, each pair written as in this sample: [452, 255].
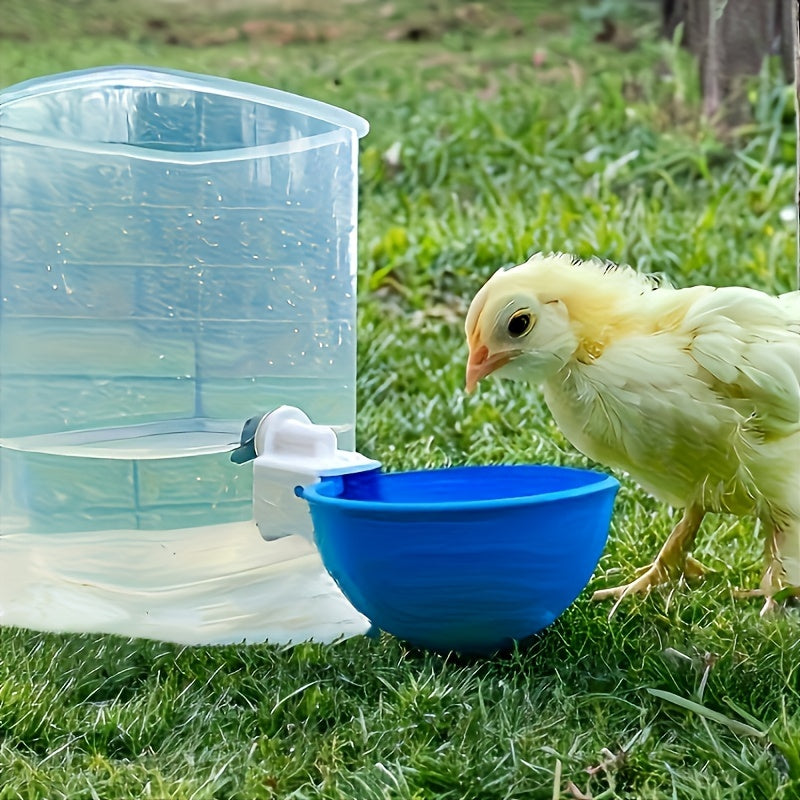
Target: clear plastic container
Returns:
[177, 253]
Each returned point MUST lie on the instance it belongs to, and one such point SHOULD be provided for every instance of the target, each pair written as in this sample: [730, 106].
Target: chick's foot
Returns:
[773, 600]
[693, 570]
[671, 561]
[654, 575]
[774, 587]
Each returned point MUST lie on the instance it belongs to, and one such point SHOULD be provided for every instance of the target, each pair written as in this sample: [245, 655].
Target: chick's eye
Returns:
[520, 323]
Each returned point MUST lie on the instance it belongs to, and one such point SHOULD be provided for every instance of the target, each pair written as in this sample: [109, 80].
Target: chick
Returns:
[695, 392]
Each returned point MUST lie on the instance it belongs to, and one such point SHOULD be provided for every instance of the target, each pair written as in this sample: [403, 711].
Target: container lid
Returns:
[139, 76]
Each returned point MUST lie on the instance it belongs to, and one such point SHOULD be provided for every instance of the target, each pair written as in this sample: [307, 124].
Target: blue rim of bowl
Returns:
[605, 483]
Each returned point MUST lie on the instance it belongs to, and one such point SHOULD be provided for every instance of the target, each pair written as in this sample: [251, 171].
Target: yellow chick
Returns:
[693, 392]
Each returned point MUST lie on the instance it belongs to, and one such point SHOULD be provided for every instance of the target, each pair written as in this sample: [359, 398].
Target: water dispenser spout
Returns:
[288, 450]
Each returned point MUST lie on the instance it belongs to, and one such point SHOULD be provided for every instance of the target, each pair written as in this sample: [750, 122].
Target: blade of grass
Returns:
[737, 727]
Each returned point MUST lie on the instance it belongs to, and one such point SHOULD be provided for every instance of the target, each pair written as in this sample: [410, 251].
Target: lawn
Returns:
[498, 129]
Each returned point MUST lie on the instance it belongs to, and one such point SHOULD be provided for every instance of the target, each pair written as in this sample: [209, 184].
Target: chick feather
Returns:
[694, 392]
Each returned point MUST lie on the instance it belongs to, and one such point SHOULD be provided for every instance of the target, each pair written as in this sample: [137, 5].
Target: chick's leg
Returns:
[669, 562]
[774, 576]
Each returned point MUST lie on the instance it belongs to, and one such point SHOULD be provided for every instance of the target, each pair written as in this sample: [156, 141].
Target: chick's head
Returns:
[517, 332]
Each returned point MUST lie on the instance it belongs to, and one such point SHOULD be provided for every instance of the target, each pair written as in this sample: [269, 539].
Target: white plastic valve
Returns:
[292, 451]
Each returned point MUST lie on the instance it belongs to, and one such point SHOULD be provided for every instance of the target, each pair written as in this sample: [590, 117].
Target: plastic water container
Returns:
[177, 253]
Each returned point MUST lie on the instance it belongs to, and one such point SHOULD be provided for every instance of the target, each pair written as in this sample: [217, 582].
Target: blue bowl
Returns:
[467, 559]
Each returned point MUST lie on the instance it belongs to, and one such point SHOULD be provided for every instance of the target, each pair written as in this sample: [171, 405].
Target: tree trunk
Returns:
[731, 38]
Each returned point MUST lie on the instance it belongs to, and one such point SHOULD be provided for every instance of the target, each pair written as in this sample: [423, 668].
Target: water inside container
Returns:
[193, 570]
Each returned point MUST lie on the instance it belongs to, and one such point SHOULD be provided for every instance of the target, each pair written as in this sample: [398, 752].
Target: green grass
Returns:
[517, 132]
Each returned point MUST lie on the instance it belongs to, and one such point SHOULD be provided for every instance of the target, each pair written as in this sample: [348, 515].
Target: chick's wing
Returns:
[749, 344]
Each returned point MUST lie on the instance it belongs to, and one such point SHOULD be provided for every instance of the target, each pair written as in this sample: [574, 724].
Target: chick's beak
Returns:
[481, 363]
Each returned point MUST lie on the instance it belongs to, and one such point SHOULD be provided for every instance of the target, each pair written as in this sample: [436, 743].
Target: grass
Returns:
[497, 130]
